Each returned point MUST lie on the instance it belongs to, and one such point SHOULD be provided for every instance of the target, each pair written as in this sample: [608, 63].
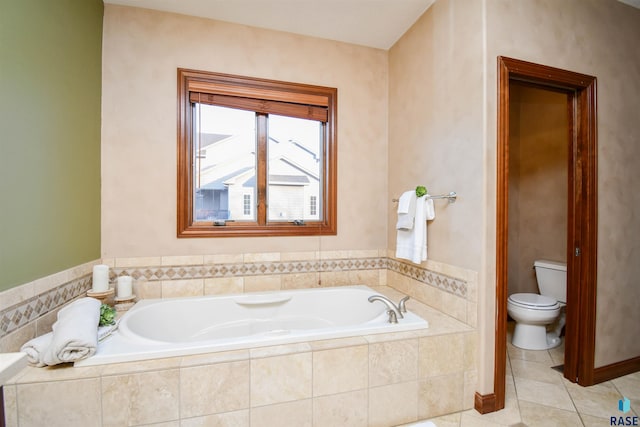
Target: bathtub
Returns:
[157, 328]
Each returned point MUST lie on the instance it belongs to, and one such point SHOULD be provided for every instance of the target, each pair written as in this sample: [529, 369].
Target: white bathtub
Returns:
[182, 326]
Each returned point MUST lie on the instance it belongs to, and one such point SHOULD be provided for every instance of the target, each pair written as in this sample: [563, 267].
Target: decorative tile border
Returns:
[445, 283]
[18, 315]
[249, 269]
[29, 310]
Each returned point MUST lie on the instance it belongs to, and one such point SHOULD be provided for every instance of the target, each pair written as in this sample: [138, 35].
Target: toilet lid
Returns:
[533, 300]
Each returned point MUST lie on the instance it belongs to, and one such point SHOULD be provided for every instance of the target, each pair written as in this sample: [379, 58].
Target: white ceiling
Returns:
[374, 23]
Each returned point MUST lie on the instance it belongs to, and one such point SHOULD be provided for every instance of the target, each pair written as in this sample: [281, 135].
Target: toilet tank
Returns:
[552, 279]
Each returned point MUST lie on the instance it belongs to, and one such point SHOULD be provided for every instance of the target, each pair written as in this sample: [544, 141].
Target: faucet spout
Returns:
[394, 311]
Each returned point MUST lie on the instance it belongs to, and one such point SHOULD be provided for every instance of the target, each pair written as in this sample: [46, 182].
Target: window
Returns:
[255, 157]
[313, 205]
[247, 205]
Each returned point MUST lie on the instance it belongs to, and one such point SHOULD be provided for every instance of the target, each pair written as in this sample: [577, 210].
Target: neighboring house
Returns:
[225, 179]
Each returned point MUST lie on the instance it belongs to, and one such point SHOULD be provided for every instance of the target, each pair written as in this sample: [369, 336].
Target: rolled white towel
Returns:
[75, 333]
[36, 348]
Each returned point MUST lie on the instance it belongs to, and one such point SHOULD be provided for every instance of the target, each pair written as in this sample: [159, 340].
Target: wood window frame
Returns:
[259, 95]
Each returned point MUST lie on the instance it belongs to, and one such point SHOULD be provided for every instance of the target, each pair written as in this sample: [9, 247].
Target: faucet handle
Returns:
[402, 305]
[392, 316]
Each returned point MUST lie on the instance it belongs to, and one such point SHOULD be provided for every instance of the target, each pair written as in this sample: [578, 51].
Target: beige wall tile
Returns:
[300, 280]
[337, 343]
[470, 351]
[140, 366]
[394, 404]
[440, 395]
[31, 374]
[149, 397]
[299, 256]
[261, 257]
[216, 357]
[223, 259]
[16, 295]
[262, 283]
[364, 277]
[210, 389]
[298, 414]
[182, 260]
[441, 355]
[182, 288]
[393, 362]
[147, 289]
[454, 306]
[45, 322]
[63, 403]
[344, 409]
[13, 341]
[138, 262]
[280, 379]
[331, 278]
[340, 370]
[470, 388]
[10, 405]
[223, 285]
[279, 350]
[50, 282]
[228, 419]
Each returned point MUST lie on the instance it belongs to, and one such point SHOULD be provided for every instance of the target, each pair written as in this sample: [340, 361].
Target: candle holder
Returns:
[124, 303]
[101, 296]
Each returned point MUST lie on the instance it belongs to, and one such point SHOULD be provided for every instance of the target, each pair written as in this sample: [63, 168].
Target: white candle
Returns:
[100, 278]
[125, 286]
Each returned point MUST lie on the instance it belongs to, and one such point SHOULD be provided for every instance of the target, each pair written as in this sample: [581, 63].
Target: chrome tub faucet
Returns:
[395, 311]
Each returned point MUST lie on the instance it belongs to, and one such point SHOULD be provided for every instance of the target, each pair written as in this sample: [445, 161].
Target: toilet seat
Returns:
[534, 301]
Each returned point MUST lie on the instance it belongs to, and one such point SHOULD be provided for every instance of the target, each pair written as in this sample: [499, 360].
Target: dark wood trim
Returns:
[615, 370]
[2, 416]
[485, 403]
[582, 218]
[308, 95]
[502, 235]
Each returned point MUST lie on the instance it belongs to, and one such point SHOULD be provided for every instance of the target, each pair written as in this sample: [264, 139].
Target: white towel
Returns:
[75, 333]
[36, 347]
[430, 210]
[74, 336]
[412, 244]
[406, 210]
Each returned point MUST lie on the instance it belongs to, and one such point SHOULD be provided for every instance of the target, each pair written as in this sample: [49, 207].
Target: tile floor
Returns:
[537, 395]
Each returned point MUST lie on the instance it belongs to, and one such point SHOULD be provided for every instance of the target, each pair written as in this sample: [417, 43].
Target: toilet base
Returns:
[534, 337]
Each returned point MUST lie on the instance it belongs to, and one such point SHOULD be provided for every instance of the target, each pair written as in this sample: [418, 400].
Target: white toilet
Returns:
[533, 312]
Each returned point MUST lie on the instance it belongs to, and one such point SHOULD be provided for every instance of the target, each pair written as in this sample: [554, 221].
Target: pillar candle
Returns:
[125, 286]
[100, 278]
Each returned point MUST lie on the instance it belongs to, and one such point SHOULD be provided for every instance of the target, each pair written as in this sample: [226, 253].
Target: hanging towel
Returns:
[412, 244]
[430, 210]
[406, 210]
[75, 333]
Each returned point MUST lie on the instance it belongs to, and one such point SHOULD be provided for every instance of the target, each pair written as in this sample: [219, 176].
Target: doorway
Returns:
[581, 217]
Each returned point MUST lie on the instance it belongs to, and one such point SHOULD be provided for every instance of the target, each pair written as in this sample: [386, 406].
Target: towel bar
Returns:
[452, 196]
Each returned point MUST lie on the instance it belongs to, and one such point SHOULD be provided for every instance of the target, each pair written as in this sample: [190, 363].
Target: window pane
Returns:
[294, 168]
[224, 159]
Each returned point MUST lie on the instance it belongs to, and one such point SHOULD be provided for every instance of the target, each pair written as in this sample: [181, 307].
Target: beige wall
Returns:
[538, 164]
[436, 138]
[442, 133]
[598, 38]
[143, 49]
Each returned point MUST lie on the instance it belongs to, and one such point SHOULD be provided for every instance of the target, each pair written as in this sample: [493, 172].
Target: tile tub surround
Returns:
[374, 380]
[29, 310]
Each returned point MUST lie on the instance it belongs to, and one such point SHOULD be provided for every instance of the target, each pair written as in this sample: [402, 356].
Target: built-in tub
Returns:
[157, 328]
